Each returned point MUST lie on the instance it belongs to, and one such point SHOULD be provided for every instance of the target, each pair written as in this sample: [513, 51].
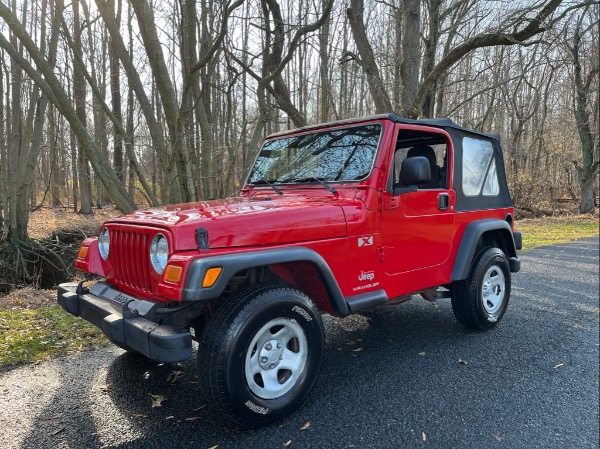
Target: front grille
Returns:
[130, 258]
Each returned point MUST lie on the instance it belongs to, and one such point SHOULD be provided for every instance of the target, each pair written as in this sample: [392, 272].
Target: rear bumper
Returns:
[157, 342]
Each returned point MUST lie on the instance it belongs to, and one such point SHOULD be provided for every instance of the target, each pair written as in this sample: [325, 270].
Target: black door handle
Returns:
[443, 201]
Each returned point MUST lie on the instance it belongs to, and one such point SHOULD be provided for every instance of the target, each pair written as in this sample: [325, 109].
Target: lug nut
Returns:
[263, 360]
[272, 366]
[268, 347]
[278, 345]
[280, 357]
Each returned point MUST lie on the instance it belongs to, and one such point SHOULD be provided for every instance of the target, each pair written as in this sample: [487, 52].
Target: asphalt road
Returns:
[530, 383]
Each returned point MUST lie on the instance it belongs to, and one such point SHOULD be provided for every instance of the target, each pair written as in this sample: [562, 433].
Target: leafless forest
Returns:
[151, 102]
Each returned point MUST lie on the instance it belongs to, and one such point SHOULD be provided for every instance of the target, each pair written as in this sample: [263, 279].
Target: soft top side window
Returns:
[432, 146]
[479, 176]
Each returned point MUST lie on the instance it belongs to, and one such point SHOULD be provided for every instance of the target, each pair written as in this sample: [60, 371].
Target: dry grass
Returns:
[554, 230]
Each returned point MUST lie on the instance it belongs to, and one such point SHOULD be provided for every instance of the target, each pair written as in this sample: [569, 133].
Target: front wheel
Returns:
[480, 301]
[261, 353]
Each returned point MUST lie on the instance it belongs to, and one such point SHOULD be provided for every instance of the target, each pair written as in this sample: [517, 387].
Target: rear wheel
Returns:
[261, 353]
[480, 301]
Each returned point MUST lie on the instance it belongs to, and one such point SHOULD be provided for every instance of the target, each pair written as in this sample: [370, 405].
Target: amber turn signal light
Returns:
[83, 252]
[173, 273]
[211, 276]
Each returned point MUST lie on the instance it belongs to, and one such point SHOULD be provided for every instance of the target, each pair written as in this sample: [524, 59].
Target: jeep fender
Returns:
[470, 239]
[234, 263]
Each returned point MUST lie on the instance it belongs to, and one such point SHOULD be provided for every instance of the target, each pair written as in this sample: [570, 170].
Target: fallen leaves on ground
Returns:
[423, 436]
[463, 362]
[45, 220]
[193, 418]
[57, 431]
[174, 375]
[157, 400]
[106, 387]
[305, 426]
[357, 349]
[287, 443]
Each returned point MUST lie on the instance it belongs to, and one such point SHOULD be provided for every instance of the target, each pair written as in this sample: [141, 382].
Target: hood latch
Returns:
[202, 238]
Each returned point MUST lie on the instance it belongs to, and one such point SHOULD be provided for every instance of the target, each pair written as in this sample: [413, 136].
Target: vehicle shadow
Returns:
[352, 344]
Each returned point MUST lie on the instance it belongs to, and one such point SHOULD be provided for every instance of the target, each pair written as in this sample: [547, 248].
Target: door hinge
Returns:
[390, 202]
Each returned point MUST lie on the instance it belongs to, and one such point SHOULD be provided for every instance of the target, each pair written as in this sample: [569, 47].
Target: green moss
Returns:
[27, 335]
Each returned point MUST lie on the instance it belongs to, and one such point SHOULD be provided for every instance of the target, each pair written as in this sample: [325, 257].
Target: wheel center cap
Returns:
[486, 288]
[271, 354]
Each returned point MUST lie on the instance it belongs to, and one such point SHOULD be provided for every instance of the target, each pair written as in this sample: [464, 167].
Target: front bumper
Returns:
[121, 319]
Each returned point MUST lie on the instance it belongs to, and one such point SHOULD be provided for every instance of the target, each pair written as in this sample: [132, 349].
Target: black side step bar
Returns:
[364, 301]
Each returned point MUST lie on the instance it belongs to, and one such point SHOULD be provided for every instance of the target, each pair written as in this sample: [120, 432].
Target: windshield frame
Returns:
[317, 130]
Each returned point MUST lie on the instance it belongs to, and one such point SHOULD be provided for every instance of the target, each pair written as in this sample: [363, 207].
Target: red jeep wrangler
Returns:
[335, 218]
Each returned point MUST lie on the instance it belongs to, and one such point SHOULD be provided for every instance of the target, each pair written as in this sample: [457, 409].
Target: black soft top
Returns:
[436, 122]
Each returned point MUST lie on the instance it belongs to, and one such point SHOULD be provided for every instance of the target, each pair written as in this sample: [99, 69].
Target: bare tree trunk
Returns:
[324, 69]
[411, 55]
[182, 187]
[16, 138]
[135, 83]
[367, 60]
[31, 148]
[589, 169]
[431, 47]
[55, 167]
[280, 89]
[3, 158]
[79, 94]
[115, 89]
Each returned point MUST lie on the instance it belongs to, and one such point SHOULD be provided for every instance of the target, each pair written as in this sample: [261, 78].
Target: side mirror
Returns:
[413, 172]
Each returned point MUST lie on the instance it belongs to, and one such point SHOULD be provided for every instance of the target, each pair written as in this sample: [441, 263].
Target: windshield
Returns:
[345, 154]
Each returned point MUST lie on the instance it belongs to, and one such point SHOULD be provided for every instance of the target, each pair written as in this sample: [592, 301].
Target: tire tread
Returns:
[465, 293]
[219, 335]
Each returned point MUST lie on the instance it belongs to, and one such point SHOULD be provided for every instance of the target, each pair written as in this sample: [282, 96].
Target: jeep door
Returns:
[418, 222]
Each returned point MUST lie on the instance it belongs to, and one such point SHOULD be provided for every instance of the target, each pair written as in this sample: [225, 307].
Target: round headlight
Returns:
[159, 253]
[104, 243]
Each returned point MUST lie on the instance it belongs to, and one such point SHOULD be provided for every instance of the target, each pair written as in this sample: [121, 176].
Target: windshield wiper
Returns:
[312, 178]
[269, 183]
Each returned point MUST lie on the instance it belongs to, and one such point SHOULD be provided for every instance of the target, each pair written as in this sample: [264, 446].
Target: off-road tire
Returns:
[489, 277]
[237, 338]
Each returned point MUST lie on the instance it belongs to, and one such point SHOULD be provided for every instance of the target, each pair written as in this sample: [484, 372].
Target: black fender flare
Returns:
[470, 238]
[234, 263]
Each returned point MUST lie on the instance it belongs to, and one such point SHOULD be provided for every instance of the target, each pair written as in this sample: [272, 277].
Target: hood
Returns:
[236, 222]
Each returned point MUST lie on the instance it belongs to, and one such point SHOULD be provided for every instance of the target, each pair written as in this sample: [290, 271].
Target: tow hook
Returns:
[81, 290]
[129, 313]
